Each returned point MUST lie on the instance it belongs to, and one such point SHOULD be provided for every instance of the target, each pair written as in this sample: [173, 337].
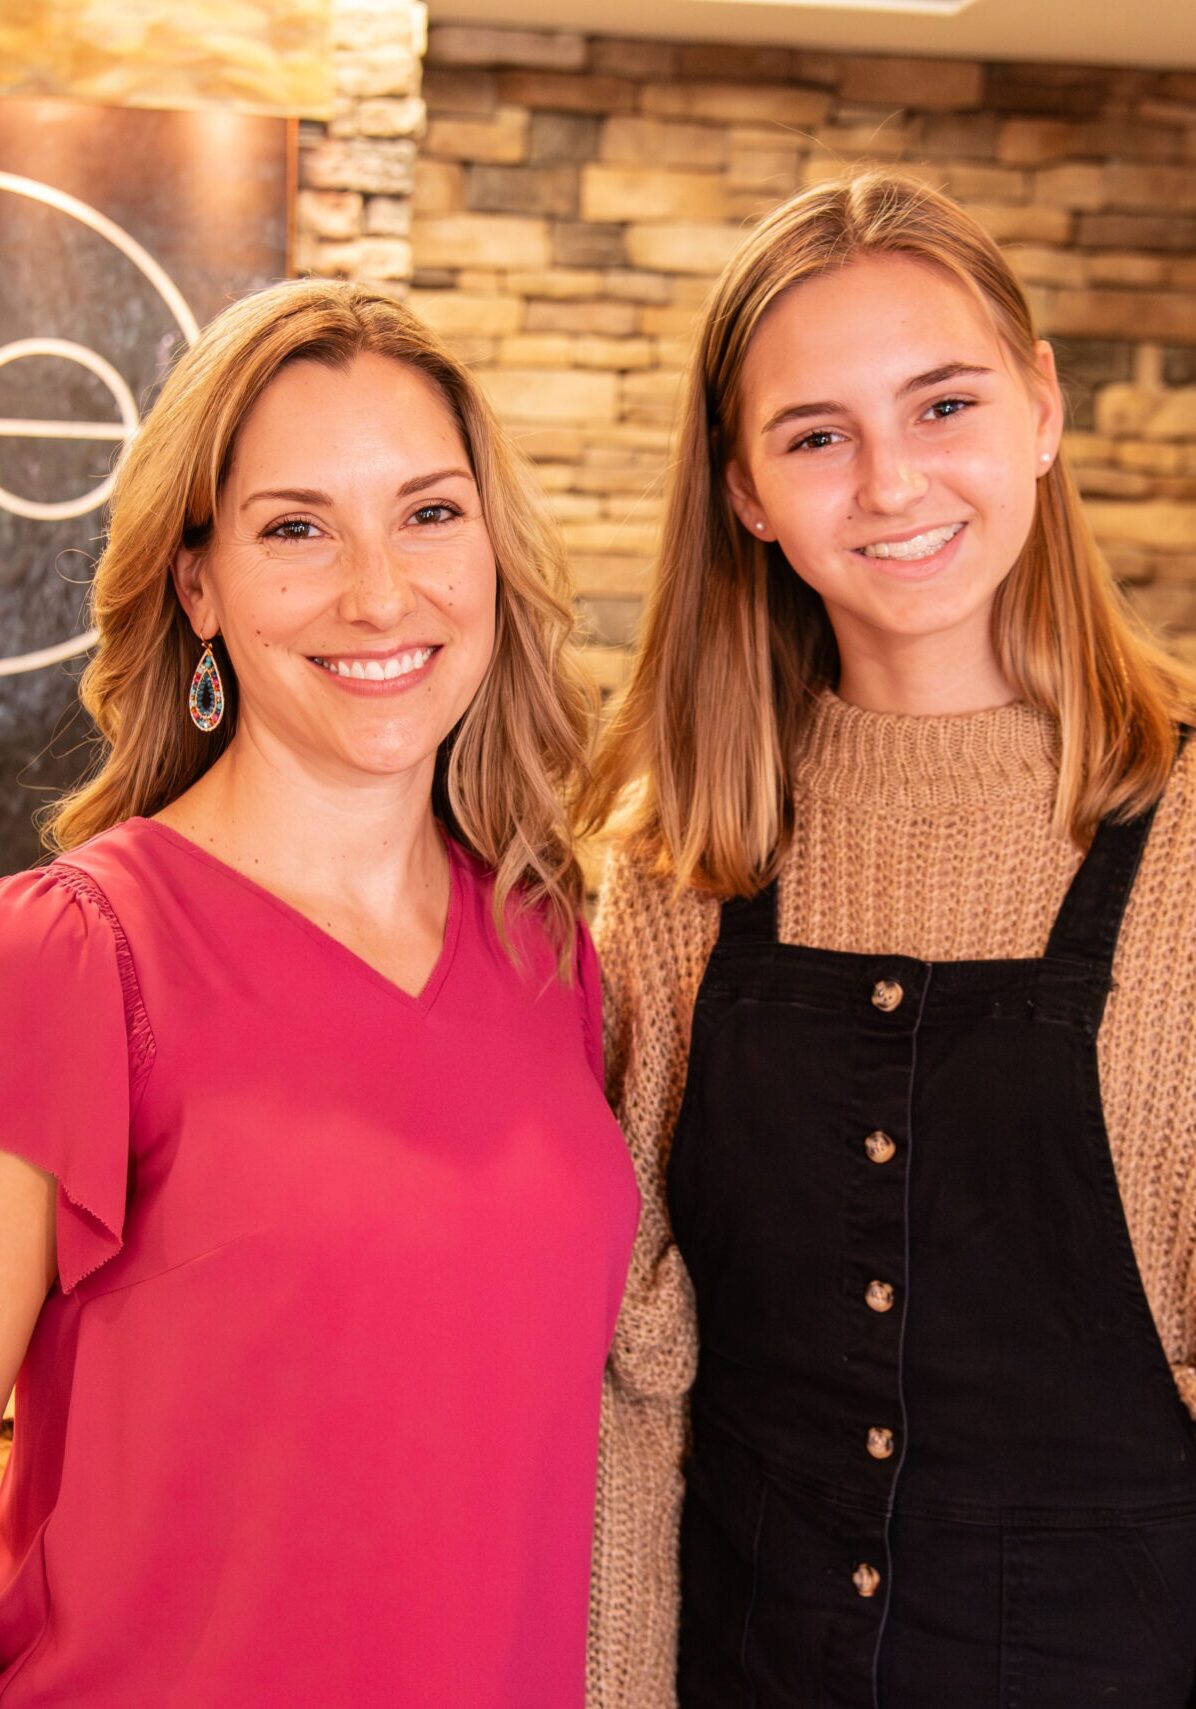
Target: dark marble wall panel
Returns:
[206, 196]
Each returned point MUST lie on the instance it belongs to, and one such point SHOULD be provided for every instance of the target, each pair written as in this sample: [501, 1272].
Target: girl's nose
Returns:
[891, 483]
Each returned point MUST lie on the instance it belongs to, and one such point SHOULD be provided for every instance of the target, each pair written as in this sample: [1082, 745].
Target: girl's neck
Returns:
[924, 675]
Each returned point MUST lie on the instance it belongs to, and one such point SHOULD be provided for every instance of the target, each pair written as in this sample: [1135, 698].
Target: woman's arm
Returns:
[28, 1265]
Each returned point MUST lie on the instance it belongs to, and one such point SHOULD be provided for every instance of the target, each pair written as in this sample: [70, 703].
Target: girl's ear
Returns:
[188, 572]
[744, 502]
[1048, 404]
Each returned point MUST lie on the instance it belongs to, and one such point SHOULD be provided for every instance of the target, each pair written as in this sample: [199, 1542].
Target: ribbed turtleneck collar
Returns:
[896, 760]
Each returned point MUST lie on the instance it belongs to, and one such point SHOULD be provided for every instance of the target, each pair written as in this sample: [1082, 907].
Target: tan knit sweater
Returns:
[926, 837]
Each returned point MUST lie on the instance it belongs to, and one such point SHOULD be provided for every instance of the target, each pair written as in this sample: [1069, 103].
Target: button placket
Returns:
[889, 1022]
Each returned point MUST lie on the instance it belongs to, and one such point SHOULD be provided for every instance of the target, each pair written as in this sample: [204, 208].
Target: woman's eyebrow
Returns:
[311, 495]
[932, 377]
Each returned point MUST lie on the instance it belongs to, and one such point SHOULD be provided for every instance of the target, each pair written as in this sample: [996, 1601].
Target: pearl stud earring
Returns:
[1044, 457]
[759, 528]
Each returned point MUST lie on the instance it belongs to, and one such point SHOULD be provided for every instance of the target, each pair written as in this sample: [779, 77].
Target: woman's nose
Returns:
[377, 587]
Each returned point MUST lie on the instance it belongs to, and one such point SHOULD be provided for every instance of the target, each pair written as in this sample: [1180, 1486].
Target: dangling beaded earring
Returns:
[205, 702]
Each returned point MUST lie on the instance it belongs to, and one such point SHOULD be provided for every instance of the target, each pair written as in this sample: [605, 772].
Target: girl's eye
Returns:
[948, 406]
[292, 528]
[428, 515]
[818, 440]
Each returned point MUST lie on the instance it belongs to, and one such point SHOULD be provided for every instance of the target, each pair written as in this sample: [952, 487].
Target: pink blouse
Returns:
[311, 1417]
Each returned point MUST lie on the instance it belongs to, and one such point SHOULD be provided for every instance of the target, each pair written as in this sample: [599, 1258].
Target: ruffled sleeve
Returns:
[75, 1047]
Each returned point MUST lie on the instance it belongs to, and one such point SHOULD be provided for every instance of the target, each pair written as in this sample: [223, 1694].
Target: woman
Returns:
[314, 1222]
[914, 1109]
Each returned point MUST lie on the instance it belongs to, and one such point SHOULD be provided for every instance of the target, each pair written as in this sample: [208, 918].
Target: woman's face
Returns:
[891, 448]
[350, 573]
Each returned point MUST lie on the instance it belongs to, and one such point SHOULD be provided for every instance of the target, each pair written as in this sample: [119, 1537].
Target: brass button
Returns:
[880, 1147]
[880, 1442]
[866, 1579]
[879, 1296]
[886, 995]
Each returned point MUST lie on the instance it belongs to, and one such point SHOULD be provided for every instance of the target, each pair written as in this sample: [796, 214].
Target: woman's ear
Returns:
[744, 502]
[187, 570]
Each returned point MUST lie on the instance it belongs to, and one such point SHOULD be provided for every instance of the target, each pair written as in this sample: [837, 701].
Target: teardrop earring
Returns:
[205, 702]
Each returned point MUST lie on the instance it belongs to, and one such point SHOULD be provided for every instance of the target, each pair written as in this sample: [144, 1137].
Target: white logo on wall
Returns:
[119, 431]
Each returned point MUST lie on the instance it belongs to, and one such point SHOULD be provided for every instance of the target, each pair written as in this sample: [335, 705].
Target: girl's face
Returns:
[891, 447]
[350, 573]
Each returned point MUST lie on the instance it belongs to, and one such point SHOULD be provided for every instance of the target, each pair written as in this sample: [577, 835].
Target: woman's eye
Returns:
[293, 528]
[430, 514]
[948, 406]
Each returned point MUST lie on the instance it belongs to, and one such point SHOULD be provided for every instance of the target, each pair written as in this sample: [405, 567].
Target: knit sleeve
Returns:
[71, 1064]
[653, 954]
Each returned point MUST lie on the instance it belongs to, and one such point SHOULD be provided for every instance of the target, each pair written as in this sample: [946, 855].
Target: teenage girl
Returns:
[902, 1006]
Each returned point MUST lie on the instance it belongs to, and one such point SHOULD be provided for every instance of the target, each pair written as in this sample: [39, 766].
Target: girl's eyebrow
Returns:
[309, 495]
[932, 377]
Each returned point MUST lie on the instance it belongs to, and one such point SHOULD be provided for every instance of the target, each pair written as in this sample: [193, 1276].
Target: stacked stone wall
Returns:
[575, 195]
[357, 169]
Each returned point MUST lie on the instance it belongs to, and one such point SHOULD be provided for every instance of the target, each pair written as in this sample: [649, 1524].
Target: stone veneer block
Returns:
[932, 85]
[732, 103]
[333, 214]
[601, 319]
[1111, 267]
[561, 139]
[367, 258]
[1156, 523]
[557, 282]
[588, 244]
[480, 240]
[385, 168]
[537, 350]
[647, 193]
[455, 314]
[391, 117]
[682, 248]
[1079, 184]
[1124, 314]
[388, 216]
[500, 139]
[532, 395]
[635, 58]
[1138, 187]
[470, 44]
[1031, 222]
[395, 72]
[1138, 231]
[523, 190]
[566, 93]
[627, 140]
[467, 93]
[439, 186]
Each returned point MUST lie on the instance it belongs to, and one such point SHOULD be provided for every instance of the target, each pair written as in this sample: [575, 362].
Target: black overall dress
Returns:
[939, 1461]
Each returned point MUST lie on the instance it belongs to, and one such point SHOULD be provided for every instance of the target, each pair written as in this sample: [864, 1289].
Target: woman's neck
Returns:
[368, 845]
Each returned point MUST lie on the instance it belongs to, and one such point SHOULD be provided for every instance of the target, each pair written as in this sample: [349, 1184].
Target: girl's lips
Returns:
[915, 569]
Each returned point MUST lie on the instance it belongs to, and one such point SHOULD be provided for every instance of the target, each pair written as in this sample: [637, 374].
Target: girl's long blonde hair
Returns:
[698, 752]
[508, 775]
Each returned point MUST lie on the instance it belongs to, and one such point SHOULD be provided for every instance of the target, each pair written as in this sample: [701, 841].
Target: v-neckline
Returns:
[422, 999]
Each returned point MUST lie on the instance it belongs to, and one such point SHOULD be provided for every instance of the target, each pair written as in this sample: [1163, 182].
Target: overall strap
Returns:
[750, 919]
[1088, 923]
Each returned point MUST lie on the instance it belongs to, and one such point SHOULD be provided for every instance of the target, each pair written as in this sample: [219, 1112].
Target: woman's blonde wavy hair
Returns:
[735, 646]
[507, 777]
